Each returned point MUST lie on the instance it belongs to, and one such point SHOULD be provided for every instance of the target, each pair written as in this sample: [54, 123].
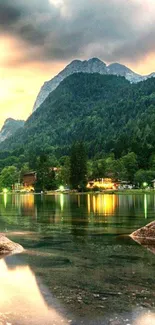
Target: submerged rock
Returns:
[9, 247]
[147, 232]
[148, 243]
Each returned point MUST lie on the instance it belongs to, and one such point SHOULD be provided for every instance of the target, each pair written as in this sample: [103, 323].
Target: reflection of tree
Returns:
[79, 216]
[39, 212]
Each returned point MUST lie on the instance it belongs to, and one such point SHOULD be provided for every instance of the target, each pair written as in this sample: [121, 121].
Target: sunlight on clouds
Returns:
[144, 66]
[21, 82]
[57, 3]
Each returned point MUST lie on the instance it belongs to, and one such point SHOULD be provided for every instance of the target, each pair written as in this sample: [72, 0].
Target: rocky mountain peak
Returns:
[117, 67]
[10, 127]
[93, 65]
[96, 61]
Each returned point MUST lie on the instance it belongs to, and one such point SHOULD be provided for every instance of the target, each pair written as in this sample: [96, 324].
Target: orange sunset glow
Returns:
[21, 83]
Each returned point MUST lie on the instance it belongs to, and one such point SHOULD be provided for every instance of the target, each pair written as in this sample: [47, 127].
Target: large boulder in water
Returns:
[9, 247]
[145, 236]
[146, 232]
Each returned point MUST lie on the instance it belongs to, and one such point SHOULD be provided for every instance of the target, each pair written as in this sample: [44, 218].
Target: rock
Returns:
[146, 232]
[10, 127]
[145, 236]
[148, 243]
[9, 247]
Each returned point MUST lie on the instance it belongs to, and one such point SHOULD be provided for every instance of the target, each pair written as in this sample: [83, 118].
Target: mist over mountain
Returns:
[10, 127]
[93, 65]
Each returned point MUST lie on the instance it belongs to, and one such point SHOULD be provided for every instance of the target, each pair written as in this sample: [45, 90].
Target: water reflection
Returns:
[5, 199]
[145, 206]
[148, 319]
[21, 298]
[65, 208]
[72, 244]
[102, 204]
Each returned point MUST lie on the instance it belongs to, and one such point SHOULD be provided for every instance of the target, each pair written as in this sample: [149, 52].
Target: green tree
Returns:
[131, 165]
[9, 176]
[99, 168]
[45, 174]
[63, 177]
[144, 176]
[78, 166]
[110, 166]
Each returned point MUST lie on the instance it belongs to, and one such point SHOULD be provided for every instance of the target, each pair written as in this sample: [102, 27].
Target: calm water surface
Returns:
[79, 260]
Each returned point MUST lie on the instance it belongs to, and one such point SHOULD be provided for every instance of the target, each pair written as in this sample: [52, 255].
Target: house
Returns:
[28, 181]
[102, 183]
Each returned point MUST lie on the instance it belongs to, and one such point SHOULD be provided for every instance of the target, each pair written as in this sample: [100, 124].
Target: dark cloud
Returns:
[113, 29]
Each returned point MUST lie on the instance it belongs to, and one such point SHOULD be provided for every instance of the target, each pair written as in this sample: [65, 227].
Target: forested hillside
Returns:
[106, 112]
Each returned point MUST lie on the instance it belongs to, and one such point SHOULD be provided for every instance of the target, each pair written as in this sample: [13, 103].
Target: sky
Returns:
[38, 38]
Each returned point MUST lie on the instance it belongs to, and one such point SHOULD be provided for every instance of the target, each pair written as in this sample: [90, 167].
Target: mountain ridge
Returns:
[106, 112]
[9, 127]
[93, 65]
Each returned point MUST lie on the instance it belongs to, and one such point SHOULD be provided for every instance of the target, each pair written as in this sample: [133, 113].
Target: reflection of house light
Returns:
[79, 201]
[62, 201]
[102, 204]
[27, 201]
[94, 204]
[145, 206]
[88, 202]
[5, 199]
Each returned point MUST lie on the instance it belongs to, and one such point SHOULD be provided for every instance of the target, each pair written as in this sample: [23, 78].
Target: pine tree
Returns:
[78, 166]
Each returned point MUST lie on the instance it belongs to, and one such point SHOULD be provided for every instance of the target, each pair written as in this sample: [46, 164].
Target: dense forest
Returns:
[113, 118]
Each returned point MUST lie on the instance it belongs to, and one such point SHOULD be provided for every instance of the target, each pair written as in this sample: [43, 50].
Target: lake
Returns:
[79, 265]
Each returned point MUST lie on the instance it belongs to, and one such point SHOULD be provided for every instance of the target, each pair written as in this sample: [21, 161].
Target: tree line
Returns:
[75, 170]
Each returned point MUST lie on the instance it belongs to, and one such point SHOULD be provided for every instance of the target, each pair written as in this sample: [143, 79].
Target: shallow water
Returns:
[77, 248]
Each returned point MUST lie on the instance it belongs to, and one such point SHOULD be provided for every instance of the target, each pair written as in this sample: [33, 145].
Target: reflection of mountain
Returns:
[22, 300]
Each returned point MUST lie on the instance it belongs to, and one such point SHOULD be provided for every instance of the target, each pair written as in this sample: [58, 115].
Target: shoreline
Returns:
[116, 192]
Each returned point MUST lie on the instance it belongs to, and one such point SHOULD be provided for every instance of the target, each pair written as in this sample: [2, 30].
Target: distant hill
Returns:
[93, 65]
[107, 112]
[10, 127]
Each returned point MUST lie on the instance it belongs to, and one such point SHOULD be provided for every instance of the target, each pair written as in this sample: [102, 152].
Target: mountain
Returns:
[10, 127]
[107, 112]
[93, 65]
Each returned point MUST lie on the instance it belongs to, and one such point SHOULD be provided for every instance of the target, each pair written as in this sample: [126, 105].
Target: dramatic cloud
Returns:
[39, 37]
[65, 29]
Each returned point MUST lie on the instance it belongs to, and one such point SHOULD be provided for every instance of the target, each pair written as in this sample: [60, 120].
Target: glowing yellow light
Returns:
[145, 206]
[103, 183]
[61, 188]
[5, 199]
[102, 204]
[62, 202]
[94, 204]
[88, 203]
[5, 190]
